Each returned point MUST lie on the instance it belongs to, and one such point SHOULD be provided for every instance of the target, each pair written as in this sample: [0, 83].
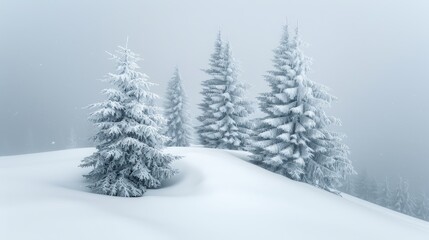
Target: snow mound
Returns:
[217, 195]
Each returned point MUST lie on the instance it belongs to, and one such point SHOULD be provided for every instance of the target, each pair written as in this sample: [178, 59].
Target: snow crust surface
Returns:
[217, 195]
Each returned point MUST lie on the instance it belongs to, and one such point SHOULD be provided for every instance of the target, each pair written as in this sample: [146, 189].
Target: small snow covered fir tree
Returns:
[422, 207]
[384, 194]
[348, 186]
[401, 200]
[362, 185]
[224, 122]
[293, 138]
[129, 157]
[373, 190]
[72, 139]
[177, 129]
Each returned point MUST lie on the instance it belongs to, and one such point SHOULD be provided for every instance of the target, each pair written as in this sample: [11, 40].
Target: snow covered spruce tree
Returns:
[293, 138]
[422, 207]
[363, 185]
[348, 186]
[224, 121]
[177, 129]
[128, 159]
[72, 139]
[401, 200]
[373, 190]
[207, 129]
[384, 194]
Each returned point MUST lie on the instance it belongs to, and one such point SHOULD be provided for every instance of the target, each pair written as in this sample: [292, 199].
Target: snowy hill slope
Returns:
[217, 195]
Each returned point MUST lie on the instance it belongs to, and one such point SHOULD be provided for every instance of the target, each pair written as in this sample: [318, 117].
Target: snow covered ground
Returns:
[217, 195]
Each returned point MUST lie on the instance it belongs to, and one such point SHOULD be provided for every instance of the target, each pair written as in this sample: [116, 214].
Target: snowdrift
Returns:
[217, 195]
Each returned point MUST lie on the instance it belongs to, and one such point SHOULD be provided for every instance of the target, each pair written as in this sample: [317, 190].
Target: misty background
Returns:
[372, 54]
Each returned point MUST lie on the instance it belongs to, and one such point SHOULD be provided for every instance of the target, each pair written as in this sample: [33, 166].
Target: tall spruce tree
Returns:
[234, 109]
[224, 123]
[293, 138]
[178, 123]
[208, 128]
[129, 157]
